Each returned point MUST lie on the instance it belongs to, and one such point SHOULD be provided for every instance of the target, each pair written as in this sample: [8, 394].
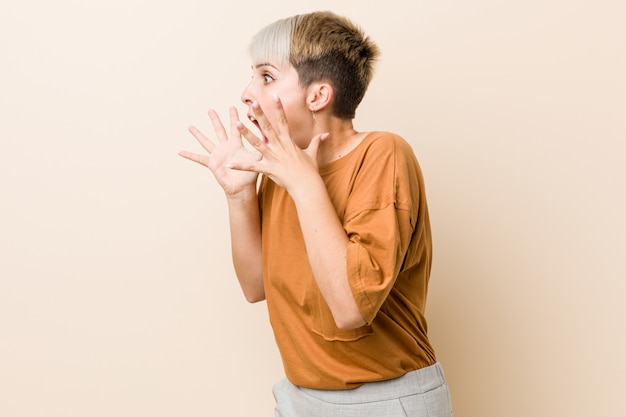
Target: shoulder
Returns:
[383, 147]
[383, 141]
[378, 153]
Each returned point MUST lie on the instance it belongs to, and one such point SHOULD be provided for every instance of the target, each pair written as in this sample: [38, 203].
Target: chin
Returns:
[302, 144]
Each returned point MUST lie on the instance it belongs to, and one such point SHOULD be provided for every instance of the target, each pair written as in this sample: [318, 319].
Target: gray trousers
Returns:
[420, 393]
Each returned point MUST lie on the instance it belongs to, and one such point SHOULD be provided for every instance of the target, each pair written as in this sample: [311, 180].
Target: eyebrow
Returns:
[265, 64]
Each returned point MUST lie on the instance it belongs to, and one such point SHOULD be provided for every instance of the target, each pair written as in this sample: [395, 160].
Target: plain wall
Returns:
[117, 295]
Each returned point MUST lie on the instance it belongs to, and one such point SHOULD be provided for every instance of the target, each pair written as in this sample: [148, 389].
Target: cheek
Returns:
[299, 127]
[297, 115]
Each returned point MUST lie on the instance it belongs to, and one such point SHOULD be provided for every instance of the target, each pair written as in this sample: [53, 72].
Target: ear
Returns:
[319, 96]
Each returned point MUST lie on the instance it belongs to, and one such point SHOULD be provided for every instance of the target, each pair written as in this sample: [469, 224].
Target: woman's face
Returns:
[273, 78]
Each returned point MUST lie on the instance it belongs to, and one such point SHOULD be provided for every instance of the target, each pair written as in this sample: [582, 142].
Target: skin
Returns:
[292, 147]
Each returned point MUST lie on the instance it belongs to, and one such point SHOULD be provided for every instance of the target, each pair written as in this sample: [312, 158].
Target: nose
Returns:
[246, 95]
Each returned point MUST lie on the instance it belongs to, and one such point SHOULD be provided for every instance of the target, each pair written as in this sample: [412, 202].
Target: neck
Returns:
[342, 139]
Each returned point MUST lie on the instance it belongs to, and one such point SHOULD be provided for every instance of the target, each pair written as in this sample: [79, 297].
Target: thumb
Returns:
[314, 146]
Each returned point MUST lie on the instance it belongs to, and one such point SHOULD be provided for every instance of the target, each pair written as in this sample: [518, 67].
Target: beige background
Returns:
[117, 297]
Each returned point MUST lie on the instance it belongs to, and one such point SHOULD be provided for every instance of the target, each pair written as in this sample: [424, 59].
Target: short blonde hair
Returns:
[321, 46]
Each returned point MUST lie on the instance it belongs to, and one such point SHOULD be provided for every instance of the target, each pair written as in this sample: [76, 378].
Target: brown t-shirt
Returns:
[378, 193]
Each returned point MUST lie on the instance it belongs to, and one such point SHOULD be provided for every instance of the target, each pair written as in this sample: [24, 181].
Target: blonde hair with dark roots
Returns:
[322, 46]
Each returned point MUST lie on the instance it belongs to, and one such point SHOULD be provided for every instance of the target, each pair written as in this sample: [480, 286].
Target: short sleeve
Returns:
[381, 216]
[378, 240]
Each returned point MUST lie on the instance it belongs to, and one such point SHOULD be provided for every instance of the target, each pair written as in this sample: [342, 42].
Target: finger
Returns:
[264, 124]
[281, 118]
[218, 127]
[200, 159]
[242, 166]
[203, 140]
[282, 126]
[235, 133]
[314, 145]
[251, 138]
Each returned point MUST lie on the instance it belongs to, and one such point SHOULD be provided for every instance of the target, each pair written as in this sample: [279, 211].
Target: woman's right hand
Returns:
[224, 152]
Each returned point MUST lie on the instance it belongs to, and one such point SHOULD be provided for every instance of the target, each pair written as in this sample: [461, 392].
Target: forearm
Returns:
[245, 231]
[326, 243]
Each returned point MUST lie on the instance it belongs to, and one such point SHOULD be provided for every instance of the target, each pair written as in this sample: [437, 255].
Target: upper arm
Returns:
[381, 218]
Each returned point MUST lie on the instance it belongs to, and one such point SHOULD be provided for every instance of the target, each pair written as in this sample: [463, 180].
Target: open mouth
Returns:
[256, 123]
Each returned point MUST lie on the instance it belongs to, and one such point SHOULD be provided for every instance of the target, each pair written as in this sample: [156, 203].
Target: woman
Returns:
[336, 236]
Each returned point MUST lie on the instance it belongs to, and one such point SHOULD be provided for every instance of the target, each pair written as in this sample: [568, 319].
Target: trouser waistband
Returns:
[414, 382]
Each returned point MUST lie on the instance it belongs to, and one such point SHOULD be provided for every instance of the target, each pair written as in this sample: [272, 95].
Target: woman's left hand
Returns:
[282, 160]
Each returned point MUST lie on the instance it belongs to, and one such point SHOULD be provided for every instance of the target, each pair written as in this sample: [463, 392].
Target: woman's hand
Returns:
[281, 159]
[224, 153]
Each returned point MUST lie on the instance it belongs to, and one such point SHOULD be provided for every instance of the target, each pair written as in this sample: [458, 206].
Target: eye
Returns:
[267, 78]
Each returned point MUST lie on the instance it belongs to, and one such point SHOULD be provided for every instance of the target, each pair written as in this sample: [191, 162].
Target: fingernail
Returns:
[276, 99]
[238, 124]
[255, 104]
[324, 135]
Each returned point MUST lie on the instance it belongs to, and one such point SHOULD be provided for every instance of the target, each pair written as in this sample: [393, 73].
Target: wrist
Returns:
[307, 189]
[246, 194]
